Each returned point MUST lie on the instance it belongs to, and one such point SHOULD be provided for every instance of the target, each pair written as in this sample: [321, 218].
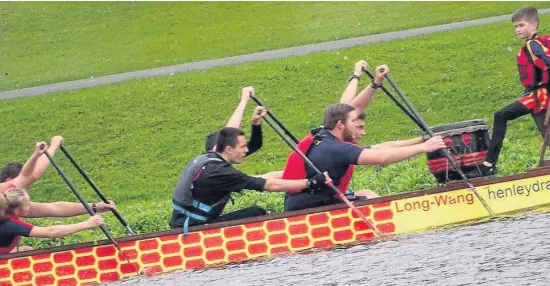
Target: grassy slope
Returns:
[134, 138]
[53, 42]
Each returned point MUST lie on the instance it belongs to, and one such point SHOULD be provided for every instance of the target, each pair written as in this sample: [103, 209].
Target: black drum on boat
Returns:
[468, 142]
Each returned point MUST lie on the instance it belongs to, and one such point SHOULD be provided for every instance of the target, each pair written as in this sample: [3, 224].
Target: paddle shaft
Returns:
[332, 187]
[257, 100]
[407, 112]
[98, 192]
[446, 152]
[546, 136]
[287, 132]
[86, 206]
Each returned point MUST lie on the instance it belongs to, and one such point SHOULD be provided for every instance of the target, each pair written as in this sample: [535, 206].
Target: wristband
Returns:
[354, 76]
[94, 209]
[374, 85]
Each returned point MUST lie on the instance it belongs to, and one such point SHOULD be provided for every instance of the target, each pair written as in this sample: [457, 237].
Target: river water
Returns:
[512, 251]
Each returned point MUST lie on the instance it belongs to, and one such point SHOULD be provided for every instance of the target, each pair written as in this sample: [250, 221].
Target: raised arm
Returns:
[393, 155]
[353, 82]
[367, 94]
[237, 117]
[25, 178]
[64, 209]
[58, 231]
[43, 161]
[394, 144]
[256, 138]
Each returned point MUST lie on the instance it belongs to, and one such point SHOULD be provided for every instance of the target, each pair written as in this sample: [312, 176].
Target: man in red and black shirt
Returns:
[332, 152]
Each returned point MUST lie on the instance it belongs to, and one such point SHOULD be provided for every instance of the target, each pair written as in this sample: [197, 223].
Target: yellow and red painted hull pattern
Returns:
[323, 229]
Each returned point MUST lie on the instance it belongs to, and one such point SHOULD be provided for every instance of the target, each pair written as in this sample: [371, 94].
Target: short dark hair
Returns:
[211, 141]
[529, 14]
[228, 137]
[336, 112]
[11, 170]
[362, 116]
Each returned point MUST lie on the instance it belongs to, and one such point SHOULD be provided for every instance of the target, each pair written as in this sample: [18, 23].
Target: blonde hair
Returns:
[11, 200]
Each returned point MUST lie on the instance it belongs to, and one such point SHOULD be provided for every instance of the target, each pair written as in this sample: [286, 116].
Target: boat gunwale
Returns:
[545, 170]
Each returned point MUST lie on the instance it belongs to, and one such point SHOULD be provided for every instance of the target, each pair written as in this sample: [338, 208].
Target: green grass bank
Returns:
[134, 138]
[53, 42]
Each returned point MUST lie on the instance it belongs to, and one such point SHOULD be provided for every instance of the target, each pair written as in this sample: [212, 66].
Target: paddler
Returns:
[361, 101]
[15, 204]
[10, 174]
[331, 149]
[206, 184]
[31, 171]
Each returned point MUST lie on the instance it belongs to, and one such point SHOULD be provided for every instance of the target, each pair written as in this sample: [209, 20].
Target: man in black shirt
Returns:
[206, 184]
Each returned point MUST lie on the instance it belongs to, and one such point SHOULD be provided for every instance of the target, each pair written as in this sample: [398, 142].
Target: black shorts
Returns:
[178, 219]
[306, 200]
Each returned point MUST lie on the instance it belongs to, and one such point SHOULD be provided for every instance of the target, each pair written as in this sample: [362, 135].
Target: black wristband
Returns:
[354, 76]
[374, 85]
[94, 209]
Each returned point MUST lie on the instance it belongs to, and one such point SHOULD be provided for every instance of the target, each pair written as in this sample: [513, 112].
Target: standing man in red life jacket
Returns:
[31, 171]
[256, 140]
[331, 150]
[533, 61]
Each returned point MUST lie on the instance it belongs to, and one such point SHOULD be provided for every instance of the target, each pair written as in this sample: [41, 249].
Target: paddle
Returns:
[257, 100]
[340, 195]
[546, 137]
[88, 209]
[287, 132]
[98, 192]
[425, 127]
[407, 112]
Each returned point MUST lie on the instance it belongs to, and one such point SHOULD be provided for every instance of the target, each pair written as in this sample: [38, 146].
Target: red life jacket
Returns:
[533, 72]
[17, 239]
[295, 168]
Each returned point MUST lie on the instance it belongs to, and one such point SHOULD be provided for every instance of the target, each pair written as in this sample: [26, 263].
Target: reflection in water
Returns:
[511, 252]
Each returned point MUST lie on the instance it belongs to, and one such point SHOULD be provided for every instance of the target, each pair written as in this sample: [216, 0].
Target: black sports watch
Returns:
[374, 85]
[354, 76]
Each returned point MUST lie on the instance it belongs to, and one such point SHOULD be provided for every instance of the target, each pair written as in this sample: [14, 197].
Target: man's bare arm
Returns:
[388, 156]
[351, 90]
[394, 144]
[43, 162]
[24, 180]
[236, 119]
[362, 101]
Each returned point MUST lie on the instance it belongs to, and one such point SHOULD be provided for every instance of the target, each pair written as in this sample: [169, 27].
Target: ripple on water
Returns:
[512, 251]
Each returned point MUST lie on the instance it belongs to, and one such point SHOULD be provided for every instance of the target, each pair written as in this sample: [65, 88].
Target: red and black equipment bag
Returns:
[468, 142]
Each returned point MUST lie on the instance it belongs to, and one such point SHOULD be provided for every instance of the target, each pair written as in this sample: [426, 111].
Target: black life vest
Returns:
[183, 200]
